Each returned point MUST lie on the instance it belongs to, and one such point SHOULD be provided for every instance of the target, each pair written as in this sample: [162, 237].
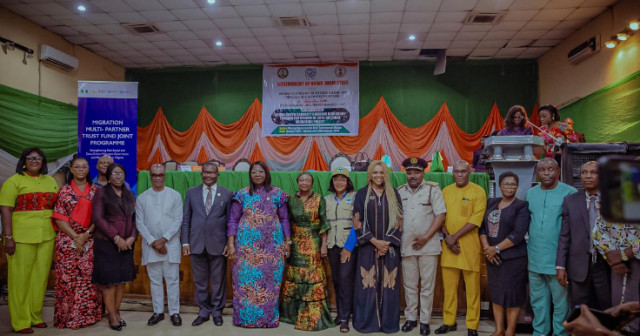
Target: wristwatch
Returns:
[623, 256]
[497, 249]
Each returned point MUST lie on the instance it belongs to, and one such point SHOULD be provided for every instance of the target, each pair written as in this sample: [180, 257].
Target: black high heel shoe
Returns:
[117, 327]
[123, 323]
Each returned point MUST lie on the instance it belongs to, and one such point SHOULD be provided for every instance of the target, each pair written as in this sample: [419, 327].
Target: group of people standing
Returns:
[371, 237]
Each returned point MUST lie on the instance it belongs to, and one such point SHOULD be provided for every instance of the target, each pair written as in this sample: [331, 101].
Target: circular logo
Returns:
[310, 73]
[283, 73]
[340, 71]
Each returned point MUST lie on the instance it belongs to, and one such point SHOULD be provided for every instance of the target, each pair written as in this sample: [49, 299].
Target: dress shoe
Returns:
[155, 318]
[217, 320]
[199, 320]
[116, 327]
[123, 323]
[409, 325]
[424, 329]
[25, 331]
[176, 320]
[40, 325]
[443, 329]
[471, 332]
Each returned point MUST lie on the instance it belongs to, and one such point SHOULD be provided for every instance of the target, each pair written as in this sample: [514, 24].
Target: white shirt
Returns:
[158, 215]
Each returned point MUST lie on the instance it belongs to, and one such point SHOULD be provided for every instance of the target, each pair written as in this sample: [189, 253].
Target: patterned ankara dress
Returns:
[77, 300]
[260, 223]
[304, 294]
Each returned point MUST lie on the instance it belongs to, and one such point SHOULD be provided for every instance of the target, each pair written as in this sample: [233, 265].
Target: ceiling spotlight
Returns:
[622, 36]
[611, 43]
[412, 37]
[82, 8]
[211, 2]
[218, 43]
[634, 25]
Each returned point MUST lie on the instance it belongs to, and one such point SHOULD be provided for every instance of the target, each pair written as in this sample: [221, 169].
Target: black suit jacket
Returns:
[514, 224]
[574, 242]
[200, 230]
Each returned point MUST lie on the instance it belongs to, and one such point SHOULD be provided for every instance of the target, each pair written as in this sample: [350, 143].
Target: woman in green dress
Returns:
[304, 294]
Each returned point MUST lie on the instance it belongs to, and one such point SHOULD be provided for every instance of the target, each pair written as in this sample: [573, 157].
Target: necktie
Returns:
[593, 216]
[209, 202]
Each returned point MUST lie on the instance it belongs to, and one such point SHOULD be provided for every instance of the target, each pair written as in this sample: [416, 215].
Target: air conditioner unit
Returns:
[56, 57]
[584, 50]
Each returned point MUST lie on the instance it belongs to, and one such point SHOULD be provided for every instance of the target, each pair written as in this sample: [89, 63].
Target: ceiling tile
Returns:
[63, 30]
[229, 23]
[378, 6]
[201, 51]
[509, 52]
[296, 31]
[418, 17]
[458, 52]
[557, 34]
[171, 26]
[356, 53]
[183, 35]
[492, 5]
[534, 52]
[294, 39]
[325, 30]
[78, 39]
[178, 4]
[329, 53]
[329, 46]
[564, 4]
[209, 34]
[319, 8]
[24, 9]
[484, 52]
[518, 43]
[113, 29]
[220, 12]
[456, 44]
[553, 14]
[540, 25]
[458, 5]
[326, 39]
[246, 2]
[470, 36]
[99, 18]
[475, 28]
[323, 20]
[189, 14]
[414, 27]
[142, 5]
[46, 21]
[272, 40]
[390, 37]
[445, 27]
[110, 6]
[598, 3]
[500, 35]
[302, 47]
[255, 10]
[259, 22]
[520, 15]
[585, 13]
[451, 17]
[384, 28]
[354, 29]
[353, 6]
[89, 30]
[381, 46]
[289, 9]
[491, 43]
[129, 38]
[128, 17]
[546, 43]
[158, 15]
[508, 26]
[266, 31]
[529, 34]
[422, 6]
[571, 24]
[51, 9]
[144, 45]
[164, 45]
[448, 36]
[200, 24]
[251, 49]
[353, 19]
[388, 17]
[528, 4]
[237, 33]
[355, 38]
[356, 46]
[406, 44]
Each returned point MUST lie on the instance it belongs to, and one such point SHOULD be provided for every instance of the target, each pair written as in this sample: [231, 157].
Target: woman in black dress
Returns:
[506, 221]
[114, 218]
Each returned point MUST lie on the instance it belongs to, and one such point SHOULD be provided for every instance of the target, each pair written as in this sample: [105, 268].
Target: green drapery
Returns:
[181, 181]
[28, 120]
[609, 114]
[410, 89]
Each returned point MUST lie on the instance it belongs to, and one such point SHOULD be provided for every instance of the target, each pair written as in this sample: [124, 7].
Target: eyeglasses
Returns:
[117, 173]
[157, 175]
[34, 158]
[80, 167]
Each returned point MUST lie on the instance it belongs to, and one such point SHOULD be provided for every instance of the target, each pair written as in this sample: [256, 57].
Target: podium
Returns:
[514, 153]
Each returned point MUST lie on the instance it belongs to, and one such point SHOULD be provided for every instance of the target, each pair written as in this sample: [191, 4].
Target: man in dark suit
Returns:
[578, 265]
[204, 237]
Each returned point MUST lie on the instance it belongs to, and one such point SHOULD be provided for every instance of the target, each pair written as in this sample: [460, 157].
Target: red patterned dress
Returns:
[78, 302]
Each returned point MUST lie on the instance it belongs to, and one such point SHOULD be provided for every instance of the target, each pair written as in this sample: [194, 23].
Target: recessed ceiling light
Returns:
[218, 43]
[412, 37]
[211, 1]
[622, 36]
[82, 8]
[634, 25]
[610, 44]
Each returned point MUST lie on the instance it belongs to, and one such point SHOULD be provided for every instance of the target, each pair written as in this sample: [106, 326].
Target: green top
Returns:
[308, 221]
[32, 200]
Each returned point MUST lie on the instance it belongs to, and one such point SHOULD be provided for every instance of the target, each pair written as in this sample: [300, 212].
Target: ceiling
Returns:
[340, 30]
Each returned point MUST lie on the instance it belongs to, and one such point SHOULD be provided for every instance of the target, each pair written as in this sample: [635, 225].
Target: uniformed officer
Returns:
[424, 213]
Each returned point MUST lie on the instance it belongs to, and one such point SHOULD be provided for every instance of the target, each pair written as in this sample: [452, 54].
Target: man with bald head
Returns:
[545, 205]
[465, 203]
[587, 274]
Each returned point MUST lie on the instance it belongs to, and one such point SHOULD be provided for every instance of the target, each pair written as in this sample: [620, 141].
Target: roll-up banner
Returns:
[107, 124]
[310, 99]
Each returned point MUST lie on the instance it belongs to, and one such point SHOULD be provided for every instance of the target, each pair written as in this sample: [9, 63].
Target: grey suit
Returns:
[589, 283]
[207, 237]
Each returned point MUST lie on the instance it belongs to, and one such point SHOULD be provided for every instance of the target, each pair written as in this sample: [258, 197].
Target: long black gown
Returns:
[377, 288]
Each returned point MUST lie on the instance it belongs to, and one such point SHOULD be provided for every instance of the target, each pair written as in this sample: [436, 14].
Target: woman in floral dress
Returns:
[551, 124]
[304, 294]
[258, 230]
[77, 300]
